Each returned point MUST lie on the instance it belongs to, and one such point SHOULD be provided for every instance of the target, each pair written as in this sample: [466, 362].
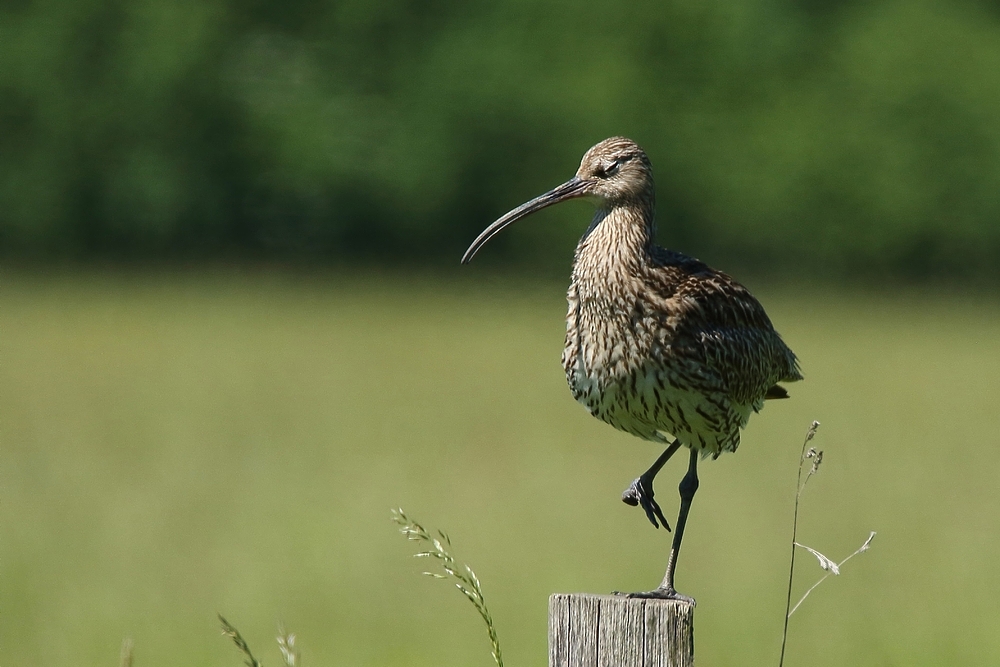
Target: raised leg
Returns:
[687, 488]
[641, 490]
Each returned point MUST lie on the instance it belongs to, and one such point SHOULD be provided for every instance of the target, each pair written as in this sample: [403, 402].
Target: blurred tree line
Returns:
[795, 136]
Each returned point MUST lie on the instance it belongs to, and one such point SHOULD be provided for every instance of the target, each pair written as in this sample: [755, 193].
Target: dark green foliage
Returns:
[824, 137]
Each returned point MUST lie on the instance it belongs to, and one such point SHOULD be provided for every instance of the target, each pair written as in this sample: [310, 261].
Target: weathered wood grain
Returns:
[615, 631]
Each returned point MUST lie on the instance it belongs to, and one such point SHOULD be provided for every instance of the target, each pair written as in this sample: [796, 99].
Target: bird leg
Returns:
[687, 489]
[641, 490]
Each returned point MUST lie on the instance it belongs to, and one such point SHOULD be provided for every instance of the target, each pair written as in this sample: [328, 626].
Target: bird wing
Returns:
[719, 330]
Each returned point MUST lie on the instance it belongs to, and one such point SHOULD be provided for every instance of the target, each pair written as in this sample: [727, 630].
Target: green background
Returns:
[799, 137]
[178, 445]
[234, 332]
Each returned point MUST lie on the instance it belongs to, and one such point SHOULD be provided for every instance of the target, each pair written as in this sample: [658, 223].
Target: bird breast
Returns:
[620, 365]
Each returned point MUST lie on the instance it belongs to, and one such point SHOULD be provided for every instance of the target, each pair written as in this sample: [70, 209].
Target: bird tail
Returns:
[777, 391]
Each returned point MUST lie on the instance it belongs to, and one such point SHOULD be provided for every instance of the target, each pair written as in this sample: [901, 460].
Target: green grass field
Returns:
[181, 445]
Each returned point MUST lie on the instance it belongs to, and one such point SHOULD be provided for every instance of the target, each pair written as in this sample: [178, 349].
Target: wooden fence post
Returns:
[615, 631]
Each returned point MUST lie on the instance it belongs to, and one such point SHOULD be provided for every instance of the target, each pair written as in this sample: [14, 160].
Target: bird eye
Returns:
[612, 168]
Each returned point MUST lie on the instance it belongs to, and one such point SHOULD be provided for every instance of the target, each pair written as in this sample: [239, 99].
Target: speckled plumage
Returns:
[658, 344]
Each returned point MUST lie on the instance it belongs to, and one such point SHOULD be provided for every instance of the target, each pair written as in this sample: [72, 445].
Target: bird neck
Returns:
[617, 243]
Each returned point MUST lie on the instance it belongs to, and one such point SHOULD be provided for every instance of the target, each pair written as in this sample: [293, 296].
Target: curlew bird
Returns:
[658, 344]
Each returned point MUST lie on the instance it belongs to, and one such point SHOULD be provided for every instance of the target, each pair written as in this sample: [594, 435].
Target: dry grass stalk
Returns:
[465, 579]
[800, 484]
[827, 564]
[289, 651]
[229, 631]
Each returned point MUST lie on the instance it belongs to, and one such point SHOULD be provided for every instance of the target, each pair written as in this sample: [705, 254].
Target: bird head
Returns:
[612, 173]
[616, 170]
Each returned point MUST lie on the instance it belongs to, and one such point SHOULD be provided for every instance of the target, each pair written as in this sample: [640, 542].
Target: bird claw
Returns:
[659, 594]
[639, 493]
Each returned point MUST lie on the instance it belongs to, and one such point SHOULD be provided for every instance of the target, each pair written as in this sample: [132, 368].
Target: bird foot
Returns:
[660, 594]
[641, 493]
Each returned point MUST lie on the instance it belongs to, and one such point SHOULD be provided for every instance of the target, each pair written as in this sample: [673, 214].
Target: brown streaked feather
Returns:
[657, 343]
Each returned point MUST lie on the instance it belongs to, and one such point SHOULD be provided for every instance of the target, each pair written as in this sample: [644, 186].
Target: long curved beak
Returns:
[574, 187]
